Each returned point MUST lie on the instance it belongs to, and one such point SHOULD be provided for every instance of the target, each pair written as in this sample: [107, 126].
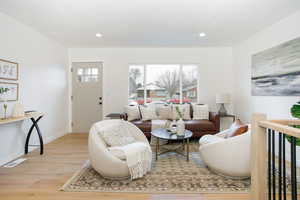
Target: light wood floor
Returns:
[40, 177]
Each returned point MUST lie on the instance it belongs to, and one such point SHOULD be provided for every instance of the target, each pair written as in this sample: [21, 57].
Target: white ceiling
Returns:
[148, 23]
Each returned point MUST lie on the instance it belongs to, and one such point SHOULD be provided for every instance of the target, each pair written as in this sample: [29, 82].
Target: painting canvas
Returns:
[8, 70]
[12, 93]
[276, 71]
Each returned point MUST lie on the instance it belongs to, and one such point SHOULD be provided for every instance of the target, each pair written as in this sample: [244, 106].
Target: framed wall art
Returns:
[276, 71]
[9, 91]
[9, 70]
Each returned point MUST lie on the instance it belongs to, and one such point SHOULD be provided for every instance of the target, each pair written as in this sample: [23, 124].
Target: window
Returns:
[87, 74]
[167, 83]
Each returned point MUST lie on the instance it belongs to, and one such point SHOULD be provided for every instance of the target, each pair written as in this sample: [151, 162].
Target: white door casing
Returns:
[86, 95]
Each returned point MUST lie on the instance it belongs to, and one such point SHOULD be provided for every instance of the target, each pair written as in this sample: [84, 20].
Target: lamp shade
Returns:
[223, 98]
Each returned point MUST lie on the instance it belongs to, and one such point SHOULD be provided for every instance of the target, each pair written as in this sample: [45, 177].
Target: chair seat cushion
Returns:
[208, 139]
[199, 125]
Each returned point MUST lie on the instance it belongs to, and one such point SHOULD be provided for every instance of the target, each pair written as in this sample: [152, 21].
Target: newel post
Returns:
[258, 158]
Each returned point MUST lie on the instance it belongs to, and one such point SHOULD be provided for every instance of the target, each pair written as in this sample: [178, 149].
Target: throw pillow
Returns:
[165, 112]
[237, 128]
[133, 112]
[148, 113]
[184, 109]
[200, 111]
[116, 134]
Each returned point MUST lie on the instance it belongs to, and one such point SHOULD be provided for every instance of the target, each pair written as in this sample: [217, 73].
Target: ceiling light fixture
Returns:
[99, 35]
[202, 34]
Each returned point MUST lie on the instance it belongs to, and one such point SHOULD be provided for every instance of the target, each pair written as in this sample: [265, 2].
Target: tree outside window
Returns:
[163, 84]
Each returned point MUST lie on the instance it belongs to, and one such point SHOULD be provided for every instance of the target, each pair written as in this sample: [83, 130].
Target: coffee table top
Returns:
[163, 133]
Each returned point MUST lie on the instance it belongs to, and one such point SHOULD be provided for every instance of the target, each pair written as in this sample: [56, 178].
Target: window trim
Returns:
[181, 65]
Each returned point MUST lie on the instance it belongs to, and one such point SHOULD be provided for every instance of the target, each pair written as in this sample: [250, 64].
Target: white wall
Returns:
[215, 69]
[245, 104]
[43, 85]
[273, 106]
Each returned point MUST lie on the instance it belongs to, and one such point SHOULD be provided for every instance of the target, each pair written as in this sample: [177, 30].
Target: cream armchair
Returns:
[228, 157]
[102, 159]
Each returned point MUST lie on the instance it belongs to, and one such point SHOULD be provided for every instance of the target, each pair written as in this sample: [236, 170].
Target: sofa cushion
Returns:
[184, 109]
[148, 112]
[199, 125]
[145, 126]
[133, 112]
[200, 111]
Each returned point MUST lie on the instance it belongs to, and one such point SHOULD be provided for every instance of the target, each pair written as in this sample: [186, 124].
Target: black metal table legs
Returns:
[35, 125]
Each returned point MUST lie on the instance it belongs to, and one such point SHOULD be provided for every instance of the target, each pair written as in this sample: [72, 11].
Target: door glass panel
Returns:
[87, 75]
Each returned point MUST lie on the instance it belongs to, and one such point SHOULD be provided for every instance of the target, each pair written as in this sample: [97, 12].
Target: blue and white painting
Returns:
[276, 71]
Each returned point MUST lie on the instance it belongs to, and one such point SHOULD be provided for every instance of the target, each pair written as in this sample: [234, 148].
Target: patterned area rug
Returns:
[170, 174]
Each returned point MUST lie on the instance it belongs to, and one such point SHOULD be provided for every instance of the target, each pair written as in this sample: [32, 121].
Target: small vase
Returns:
[180, 127]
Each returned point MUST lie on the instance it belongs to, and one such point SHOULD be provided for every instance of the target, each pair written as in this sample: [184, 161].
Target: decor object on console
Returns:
[222, 99]
[18, 110]
[109, 161]
[276, 71]
[228, 156]
[3, 90]
[9, 70]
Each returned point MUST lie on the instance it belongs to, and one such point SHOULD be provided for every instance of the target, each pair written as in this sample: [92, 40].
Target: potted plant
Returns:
[295, 111]
[180, 122]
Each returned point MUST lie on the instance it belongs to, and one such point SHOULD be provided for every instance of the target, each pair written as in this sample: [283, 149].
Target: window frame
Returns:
[181, 66]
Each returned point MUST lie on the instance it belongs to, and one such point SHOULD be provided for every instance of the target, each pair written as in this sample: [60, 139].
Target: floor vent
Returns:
[14, 163]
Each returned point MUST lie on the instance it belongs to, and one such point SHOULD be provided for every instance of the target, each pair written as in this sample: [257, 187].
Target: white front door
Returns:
[86, 95]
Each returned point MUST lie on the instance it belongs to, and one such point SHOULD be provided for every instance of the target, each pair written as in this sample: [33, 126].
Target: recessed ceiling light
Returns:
[202, 34]
[98, 35]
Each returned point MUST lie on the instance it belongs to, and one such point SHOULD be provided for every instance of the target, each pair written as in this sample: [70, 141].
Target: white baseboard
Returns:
[30, 149]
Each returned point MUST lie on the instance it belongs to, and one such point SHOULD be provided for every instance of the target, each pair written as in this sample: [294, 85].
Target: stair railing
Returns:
[269, 170]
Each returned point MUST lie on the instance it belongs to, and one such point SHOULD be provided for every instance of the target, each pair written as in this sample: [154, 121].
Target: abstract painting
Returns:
[9, 70]
[276, 71]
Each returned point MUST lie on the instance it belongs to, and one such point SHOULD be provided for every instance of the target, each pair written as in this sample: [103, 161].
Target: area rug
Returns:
[171, 173]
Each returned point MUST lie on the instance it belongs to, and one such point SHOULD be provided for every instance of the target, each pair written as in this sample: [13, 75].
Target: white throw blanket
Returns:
[138, 158]
[155, 124]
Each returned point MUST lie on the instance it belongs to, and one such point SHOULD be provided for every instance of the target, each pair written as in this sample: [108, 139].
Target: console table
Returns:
[35, 118]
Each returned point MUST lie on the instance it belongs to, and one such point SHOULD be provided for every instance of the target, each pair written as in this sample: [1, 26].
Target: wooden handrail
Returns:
[259, 150]
[282, 126]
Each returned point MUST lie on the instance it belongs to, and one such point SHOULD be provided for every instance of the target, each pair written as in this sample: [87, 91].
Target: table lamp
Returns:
[222, 99]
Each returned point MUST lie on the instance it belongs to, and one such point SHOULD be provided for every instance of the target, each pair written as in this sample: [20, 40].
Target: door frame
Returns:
[70, 89]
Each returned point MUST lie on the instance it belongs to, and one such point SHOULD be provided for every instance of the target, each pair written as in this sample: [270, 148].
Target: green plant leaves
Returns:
[295, 111]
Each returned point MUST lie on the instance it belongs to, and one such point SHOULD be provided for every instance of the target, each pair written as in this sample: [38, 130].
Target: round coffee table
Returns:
[163, 133]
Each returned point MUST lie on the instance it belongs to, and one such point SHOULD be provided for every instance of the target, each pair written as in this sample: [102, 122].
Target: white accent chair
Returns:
[105, 161]
[228, 157]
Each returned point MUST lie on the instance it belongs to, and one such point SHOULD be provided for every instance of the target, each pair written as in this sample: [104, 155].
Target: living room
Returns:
[48, 43]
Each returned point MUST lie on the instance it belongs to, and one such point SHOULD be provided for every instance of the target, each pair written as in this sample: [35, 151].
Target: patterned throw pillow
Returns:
[185, 110]
[237, 128]
[133, 112]
[165, 112]
[148, 113]
[200, 111]
[116, 134]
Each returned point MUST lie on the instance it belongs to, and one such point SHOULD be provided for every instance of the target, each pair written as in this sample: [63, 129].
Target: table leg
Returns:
[157, 148]
[188, 150]
[35, 125]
